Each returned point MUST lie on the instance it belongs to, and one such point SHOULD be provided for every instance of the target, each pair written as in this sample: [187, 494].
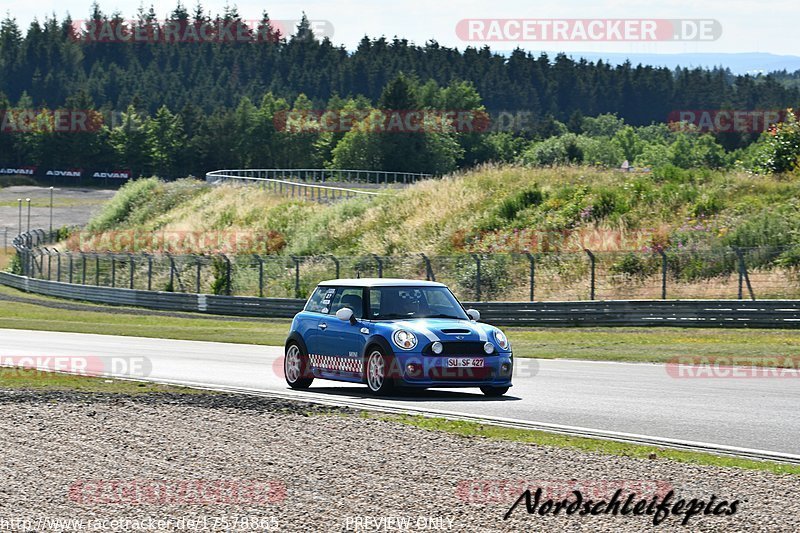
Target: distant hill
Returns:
[743, 63]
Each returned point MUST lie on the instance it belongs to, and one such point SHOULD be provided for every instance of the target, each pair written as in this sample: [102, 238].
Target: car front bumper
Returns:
[418, 370]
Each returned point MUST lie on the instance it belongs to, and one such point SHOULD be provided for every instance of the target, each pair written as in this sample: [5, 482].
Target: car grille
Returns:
[458, 348]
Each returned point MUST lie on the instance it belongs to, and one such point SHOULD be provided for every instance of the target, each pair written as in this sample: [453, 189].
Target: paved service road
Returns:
[633, 398]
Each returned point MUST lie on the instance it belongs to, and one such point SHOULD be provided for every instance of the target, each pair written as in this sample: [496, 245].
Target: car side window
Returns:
[320, 301]
[349, 297]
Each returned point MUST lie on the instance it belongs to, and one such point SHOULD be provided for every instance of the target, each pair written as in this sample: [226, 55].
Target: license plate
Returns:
[465, 362]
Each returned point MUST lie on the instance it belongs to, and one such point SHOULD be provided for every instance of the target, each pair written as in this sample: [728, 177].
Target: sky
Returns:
[743, 26]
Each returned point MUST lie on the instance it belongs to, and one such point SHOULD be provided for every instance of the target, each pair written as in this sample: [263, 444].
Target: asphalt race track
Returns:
[631, 398]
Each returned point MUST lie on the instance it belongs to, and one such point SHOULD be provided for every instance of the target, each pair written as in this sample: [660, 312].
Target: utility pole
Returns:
[51, 212]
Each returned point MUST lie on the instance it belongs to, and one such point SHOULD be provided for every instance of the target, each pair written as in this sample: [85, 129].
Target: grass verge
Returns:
[542, 438]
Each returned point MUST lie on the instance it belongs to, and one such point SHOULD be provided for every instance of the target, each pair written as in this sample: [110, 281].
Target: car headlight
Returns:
[404, 339]
[501, 339]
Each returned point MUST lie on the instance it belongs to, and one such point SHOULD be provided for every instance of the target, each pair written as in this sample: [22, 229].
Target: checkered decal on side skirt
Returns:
[332, 362]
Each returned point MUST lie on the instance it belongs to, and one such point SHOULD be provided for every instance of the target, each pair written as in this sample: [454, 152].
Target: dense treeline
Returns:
[191, 107]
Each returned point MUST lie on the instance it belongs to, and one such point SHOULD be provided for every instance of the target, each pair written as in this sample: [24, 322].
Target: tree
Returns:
[166, 142]
[129, 141]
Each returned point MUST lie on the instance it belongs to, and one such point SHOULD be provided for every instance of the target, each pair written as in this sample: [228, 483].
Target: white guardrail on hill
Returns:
[315, 184]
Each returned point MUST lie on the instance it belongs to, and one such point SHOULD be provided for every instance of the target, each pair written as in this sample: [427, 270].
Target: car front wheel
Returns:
[295, 368]
[377, 373]
[494, 392]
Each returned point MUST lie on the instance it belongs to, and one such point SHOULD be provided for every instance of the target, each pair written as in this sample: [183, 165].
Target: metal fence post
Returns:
[70, 267]
[380, 265]
[198, 266]
[83, 268]
[171, 273]
[296, 276]
[149, 272]
[663, 274]
[132, 266]
[532, 262]
[743, 275]
[58, 266]
[428, 269]
[477, 277]
[592, 279]
[97, 270]
[260, 275]
[114, 271]
[228, 275]
[335, 262]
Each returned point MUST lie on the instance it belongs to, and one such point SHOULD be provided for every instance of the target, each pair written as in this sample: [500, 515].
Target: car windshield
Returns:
[388, 303]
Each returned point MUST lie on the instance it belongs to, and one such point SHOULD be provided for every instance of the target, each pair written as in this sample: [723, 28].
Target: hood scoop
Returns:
[456, 331]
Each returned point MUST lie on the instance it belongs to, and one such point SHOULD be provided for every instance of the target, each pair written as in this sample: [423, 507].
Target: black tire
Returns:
[377, 371]
[494, 392]
[298, 376]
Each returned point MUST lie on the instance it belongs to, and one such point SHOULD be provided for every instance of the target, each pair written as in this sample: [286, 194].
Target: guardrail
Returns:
[680, 313]
[310, 191]
[323, 175]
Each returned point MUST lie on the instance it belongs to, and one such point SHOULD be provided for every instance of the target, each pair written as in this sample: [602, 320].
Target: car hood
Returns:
[443, 329]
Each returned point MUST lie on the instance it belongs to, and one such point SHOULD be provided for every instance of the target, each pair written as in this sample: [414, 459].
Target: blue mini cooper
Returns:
[392, 332]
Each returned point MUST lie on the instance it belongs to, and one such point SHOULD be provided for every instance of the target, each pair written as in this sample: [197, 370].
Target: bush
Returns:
[635, 265]
[781, 146]
[562, 150]
[220, 269]
[708, 204]
[494, 280]
[512, 205]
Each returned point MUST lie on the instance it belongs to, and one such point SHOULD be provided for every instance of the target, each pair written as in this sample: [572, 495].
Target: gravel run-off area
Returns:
[226, 462]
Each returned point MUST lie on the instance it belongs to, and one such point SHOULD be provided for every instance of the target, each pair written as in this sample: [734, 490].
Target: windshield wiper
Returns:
[443, 316]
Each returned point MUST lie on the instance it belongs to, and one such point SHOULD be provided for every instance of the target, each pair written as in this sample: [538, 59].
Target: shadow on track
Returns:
[414, 395]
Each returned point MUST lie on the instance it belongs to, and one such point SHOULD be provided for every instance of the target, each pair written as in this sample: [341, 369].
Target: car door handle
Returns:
[323, 326]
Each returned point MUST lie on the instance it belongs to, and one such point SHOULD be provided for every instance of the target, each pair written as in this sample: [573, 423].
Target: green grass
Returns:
[38, 317]
[597, 344]
[541, 438]
[22, 379]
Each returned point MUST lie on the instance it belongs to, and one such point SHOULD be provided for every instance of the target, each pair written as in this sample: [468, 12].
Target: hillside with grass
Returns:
[491, 209]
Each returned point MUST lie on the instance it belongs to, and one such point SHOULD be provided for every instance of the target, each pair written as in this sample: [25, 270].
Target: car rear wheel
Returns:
[377, 373]
[295, 367]
[494, 392]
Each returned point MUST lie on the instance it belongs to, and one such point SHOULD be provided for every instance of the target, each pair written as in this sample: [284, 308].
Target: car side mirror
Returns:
[345, 314]
[473, 315]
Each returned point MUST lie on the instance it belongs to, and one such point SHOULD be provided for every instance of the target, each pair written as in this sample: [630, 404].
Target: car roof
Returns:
[381, 282]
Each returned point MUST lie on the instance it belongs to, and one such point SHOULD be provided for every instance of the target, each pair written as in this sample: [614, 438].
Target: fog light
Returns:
[412, 369]
[437, 347]
[505, 369]
[488, 347]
